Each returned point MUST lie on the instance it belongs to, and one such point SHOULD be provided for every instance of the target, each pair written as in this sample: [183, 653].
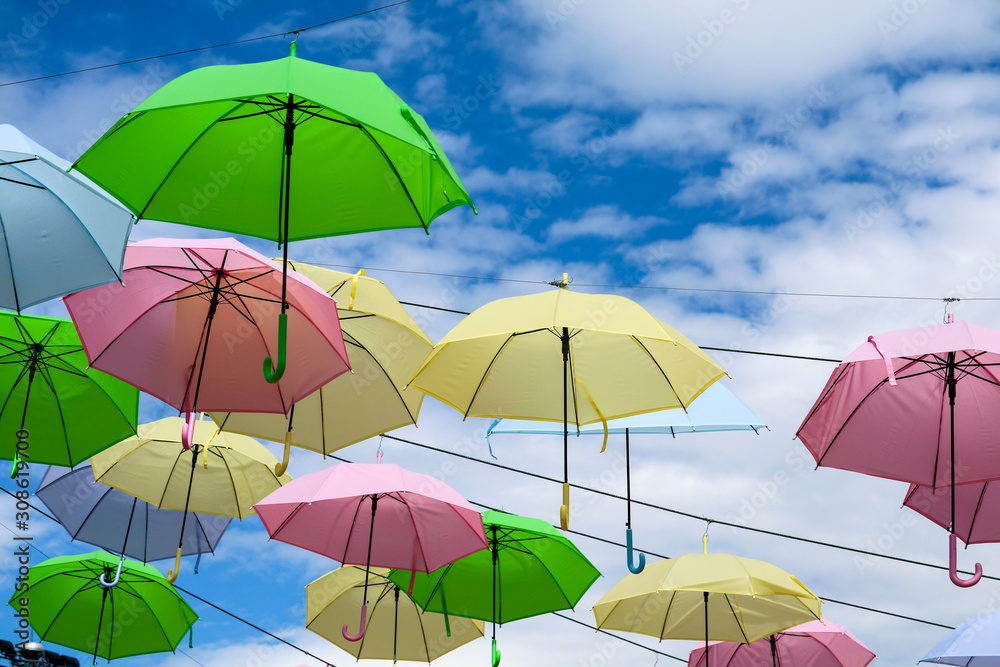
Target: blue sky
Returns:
[839, 148]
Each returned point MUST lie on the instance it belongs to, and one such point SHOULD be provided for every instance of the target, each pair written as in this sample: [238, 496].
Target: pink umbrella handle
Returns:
[953, 565]
[361, 632]
[187, 431]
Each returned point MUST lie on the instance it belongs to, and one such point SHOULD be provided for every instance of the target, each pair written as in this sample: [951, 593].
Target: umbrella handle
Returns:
[118, 575]
[279, 468]
[16, 465]
[187, 431]
[273, 375]
[634, 569]
[496, 654]
[361, 632]
[564, 510]
[953, 565]
[172, 574]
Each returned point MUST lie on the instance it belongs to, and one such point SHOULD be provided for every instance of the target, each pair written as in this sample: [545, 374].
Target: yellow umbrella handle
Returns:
[279, 468]
[172, 574]
[564, 510]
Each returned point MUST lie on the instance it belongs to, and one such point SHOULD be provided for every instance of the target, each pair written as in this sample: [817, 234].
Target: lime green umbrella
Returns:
[67, 598]
[54, 408]
[530, 569]
[215, 148]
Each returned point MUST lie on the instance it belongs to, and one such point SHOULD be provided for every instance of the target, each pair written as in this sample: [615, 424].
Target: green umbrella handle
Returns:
[172, 574]
[16, 465]
[273, 375]
[564, 510]
[279, 468]
[496, 654]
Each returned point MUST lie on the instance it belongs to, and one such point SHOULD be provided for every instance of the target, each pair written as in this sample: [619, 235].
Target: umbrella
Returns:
[892, 409]
[113, 520]
[975, 643]
[224, 475]
[374, 514]
[397, 628]
[61, 410]
[707, 596]
[716, 409]
[384, 346]
[64, 599]
[566, 357]
[214, 148]
[192, 312]
[977, 519]
[60, 233]
[530, 569]
[814, 643]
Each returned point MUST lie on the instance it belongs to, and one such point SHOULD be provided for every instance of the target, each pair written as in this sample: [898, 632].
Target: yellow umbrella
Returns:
[384, 345]
[223, 473]
[707, 596]
[566, 357]
[397, 629]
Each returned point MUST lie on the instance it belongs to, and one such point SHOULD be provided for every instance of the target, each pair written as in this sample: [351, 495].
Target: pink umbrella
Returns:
[977, 515]
[918, 405]
[811, 644]
[192, 319]
[374, 514]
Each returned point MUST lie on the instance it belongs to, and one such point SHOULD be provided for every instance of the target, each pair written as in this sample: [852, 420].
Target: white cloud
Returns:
[605, 222]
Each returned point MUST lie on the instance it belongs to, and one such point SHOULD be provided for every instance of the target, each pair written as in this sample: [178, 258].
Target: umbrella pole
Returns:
[187, 431]
[368, 564]
[634, 569]
[706, 628]
[32, 367]
[172, 574]
[495, 657]
[564, 510]
[395, 625]
[953, 538]
[100, 618]
[774, 650]
[128, 528]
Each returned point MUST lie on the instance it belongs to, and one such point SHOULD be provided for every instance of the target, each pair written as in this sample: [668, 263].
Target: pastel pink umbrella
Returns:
[192, 320]
[811, 644]
[374, 514]
[917, 405]
[977, 511]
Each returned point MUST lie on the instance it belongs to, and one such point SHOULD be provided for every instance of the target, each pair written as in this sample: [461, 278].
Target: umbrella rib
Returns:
[319, 115]
[173, 467]
[666, 614]
[846, 421]
[68, 575]
[660, 368]
[10, 262]
[16, 182]
[739, 620]
[232, 482]
[975, 514]
[350, 533]
[553, 577]
[486, 372]
[395, 388]
[398, 177]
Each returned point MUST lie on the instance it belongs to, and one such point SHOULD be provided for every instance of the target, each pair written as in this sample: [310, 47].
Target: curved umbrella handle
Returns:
[496, 654]
[172, 574]
[16, 465]
[279, 468]
[564, 510]
[361, 632]
[634, 569]
[953, 565]
[187, 431]
[273, 375]
[118, 576]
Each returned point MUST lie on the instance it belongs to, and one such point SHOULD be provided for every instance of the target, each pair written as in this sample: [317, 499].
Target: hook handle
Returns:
[361, 632]
[16, 465]
[279, 468]
[118, 575]
[953, 565]
[172, 574]
[496, 654]
[564, 510]
[187, 431]
[634, 569]
[273, 375]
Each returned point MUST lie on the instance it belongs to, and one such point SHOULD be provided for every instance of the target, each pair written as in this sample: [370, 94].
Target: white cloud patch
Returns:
[604, 222]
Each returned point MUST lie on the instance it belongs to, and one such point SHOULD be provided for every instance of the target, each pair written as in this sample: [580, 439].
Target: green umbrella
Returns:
[53, 408]
[531, 568]
[214, 148]
[65, 598]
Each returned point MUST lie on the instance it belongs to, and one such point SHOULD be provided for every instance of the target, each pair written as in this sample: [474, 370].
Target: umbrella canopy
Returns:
[397, 628]
[66, 604]
[916, 405]
[977, 512]
[65, 410]
[975, 643]
[105, 517]
[707, 596]
[190, 325]
[812, 644]
[565, 357]
[384, 346]
[60, 233]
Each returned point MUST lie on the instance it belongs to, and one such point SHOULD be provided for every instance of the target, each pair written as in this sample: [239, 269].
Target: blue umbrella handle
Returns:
[564, 510]
[953, 565]
[496, 654]
[118, 575]
[187, 431]
[273, 375]
[361, 632]
[634, 569]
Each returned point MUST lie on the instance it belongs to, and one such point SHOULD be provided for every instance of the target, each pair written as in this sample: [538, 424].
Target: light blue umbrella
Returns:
[976, 643]
[58, 232]
[717, 409]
